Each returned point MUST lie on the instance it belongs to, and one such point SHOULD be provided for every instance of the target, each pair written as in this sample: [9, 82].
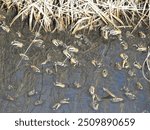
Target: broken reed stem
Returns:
[139, 22]
[36, 35]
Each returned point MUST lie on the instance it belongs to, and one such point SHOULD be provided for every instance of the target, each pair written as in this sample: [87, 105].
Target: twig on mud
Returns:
[144, 63]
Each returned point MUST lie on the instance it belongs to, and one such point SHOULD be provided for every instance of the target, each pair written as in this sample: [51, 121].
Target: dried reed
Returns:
[80, 14]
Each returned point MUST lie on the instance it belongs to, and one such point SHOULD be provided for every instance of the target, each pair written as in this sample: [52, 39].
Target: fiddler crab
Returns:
[107, 31]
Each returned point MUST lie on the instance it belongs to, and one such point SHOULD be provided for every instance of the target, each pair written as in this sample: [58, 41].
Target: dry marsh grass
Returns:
[80, 14]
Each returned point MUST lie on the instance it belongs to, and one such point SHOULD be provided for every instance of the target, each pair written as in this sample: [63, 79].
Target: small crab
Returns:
[2, 17]
[118, 65]
[92, 90]
[125, 64]
[38, 102]
[142, 35]
[67, 54]
[10, 87]
[17, 44]
[124, 45]
[59, 84]
[125, 89]
[49, 71]
[38, 42]
[96, 62]
[124, 56]
[19, 34]
[107, 31]
[139, 85]
[95, 105]
[65, 101]
[10, 98]
[74, 61]
[130, 95]
[116, 99]
[56, 106]
[105, 73]
[32, 92]
[57, 42]
[131, 73]
[24, 57]
[5, 27]
[77, 84]
[72, 49]
[137, 65]
[95, 97]
[35, 69]
[59, 63]
[140, 47]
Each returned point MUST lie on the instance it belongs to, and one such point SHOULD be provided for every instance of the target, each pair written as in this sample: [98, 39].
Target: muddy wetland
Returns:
[104, 70]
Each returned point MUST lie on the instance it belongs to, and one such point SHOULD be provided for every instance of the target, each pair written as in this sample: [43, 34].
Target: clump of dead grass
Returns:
[81, 14]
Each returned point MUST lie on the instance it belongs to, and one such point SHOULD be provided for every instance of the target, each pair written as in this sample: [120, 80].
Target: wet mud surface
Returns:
[16, 83]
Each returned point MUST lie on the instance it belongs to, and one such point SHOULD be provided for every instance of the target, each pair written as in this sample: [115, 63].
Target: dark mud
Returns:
[17, 82]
